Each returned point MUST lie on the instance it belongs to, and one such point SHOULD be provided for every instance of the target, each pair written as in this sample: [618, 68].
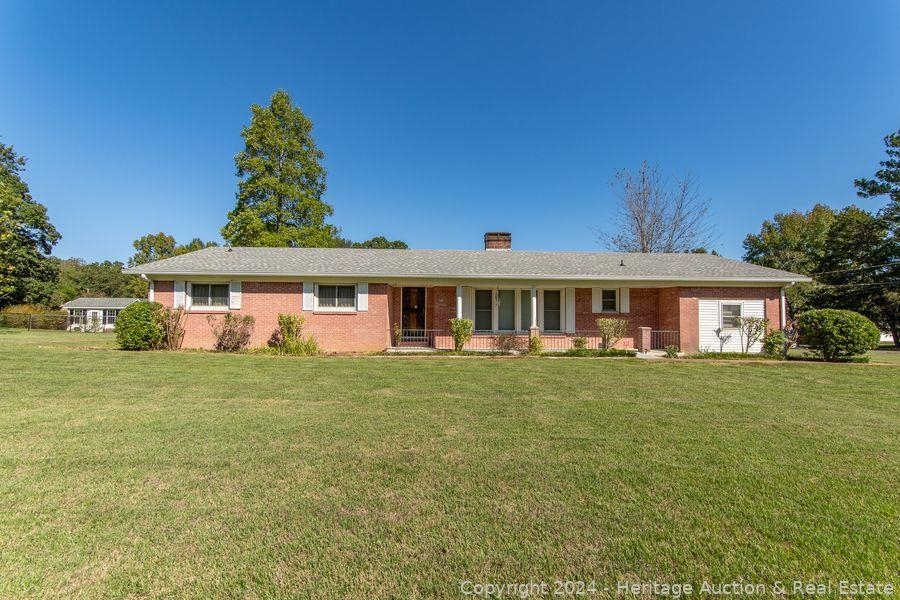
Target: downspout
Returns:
[784, 308]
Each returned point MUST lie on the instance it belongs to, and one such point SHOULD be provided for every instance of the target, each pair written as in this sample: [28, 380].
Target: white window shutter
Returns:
[150, 291]
[178, 300]
[308, 295]
[570, 310]
[469, 303]
[188, 294]
[362, 296]
[234, 295]
[596, 299]
[624, 300]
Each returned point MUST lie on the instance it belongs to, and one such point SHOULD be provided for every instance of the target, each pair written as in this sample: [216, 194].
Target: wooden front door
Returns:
[413, 308]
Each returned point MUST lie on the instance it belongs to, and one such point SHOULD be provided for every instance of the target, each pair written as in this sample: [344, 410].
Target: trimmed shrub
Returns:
[139, 326]
[535, 345]
[837, 334]
[776, 343]
[461, 330]
[671, 351]
[507, 343]
[288, 338]
[232, 332]
[579, 343]
[611, 331]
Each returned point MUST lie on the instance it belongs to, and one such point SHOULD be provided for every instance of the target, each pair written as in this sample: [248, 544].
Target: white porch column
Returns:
[459, 301]
[534, 307]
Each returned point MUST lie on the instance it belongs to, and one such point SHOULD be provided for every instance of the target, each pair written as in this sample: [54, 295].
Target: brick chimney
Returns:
[497, 240]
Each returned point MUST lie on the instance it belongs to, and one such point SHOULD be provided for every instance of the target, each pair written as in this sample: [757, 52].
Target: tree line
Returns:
[852, 254]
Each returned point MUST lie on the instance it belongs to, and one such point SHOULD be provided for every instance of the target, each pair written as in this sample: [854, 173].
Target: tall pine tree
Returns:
[279, 198]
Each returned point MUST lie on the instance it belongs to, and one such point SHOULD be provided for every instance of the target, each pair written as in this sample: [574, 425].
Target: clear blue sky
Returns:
[440, 122]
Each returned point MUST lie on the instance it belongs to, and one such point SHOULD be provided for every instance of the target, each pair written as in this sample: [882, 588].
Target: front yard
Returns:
[201, 475]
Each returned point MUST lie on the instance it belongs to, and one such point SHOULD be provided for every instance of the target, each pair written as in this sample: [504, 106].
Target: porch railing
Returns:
[492, 341]
[660, 340]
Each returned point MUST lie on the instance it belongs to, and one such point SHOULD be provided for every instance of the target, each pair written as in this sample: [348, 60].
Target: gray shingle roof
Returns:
[100, 302]
[514, 264]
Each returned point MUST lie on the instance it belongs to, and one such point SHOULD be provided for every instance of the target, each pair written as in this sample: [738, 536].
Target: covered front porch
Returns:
[563, 317]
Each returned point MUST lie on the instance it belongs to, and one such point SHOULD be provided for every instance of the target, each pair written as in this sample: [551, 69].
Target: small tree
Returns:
[837, 334]
[611, 331]
[751, 330]
[461, 330]
[724, 338]
[232, 332]
[172, 323]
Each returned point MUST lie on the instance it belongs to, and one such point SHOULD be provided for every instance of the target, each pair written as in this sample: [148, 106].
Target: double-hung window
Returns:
[109, 316]
[209, 294]
[731, 315]
[336, 297]
[552, 310]
[608, 301]
[78, 316]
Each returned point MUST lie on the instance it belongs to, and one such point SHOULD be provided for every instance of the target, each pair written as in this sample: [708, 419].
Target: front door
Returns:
[413, 309]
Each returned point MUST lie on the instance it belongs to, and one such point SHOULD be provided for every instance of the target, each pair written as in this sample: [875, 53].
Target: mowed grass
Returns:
[209, 475]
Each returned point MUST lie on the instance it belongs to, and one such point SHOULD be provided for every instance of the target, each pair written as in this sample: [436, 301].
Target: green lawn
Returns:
[209, 475]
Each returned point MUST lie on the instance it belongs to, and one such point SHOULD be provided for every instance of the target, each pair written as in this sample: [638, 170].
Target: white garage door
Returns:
[717, 314]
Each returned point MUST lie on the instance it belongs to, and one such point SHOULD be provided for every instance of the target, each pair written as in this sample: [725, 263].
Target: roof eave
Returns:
[786, 279]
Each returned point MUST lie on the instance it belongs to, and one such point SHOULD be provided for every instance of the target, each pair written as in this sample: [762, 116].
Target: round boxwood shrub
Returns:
[837, 334]
[139, 326]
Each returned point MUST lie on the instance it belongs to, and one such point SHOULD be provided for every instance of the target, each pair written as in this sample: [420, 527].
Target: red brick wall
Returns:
[164, 293]
[264, 300]
[643, 312]
[667, 309]
[441, 307]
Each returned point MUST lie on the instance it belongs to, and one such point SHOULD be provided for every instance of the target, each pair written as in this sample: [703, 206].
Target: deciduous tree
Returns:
[657, 214]
[26, 237]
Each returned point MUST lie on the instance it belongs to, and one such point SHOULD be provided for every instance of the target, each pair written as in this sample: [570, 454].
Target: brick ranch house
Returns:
[356, 300]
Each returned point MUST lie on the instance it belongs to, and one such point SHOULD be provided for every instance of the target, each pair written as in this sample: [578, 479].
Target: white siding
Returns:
[710, 320]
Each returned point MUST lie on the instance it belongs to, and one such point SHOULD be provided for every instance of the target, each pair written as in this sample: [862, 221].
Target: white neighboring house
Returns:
[95, 314]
